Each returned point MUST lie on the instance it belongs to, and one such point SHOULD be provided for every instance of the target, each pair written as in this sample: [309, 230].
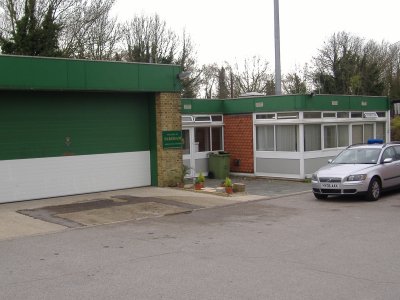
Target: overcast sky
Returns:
[234, 30]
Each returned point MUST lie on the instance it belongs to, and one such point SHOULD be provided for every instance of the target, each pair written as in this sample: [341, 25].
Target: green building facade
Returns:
[287, 136]
[77, 126]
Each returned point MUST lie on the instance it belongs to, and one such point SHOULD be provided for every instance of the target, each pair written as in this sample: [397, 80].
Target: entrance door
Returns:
[189, 150]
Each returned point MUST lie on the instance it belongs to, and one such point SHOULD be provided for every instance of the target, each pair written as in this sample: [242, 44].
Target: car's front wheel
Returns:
[320, 196]
[374, 190]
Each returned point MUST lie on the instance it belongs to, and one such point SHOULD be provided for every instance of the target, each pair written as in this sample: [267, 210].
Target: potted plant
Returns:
[198, 185]
[228, 185]
[201, 178]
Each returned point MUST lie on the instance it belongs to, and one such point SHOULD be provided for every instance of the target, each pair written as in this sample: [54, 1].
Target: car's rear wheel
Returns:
[320, 196]
[374, 190]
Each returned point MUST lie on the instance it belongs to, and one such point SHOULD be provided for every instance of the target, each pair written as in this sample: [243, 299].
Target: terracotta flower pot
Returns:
[198, 186]
[229, 190]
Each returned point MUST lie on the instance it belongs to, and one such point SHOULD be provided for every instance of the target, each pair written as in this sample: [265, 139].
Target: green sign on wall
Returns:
[172, 139]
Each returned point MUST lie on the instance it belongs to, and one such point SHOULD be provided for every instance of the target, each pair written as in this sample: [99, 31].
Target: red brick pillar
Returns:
[238, 141]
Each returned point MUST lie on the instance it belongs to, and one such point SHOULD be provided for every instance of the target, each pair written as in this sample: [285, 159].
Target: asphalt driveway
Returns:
[57, 214]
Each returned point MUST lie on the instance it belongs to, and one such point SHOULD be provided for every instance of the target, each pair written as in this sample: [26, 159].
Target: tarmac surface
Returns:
[43, 216]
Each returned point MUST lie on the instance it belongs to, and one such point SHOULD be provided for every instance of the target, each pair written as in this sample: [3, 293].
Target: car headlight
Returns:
[314, 177]
[358, 177]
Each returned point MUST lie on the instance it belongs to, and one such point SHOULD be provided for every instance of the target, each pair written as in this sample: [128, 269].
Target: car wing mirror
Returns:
[330, 161]
[387, 160]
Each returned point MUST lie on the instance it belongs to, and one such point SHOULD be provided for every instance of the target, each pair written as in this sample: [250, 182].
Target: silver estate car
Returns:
[363, 169]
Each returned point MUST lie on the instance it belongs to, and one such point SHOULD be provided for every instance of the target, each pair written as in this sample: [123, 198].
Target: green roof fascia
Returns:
[290, 103]
[346, 103]
[40, 73]
[201, 106]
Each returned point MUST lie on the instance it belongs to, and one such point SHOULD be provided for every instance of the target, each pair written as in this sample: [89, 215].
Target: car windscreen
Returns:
[358, 156]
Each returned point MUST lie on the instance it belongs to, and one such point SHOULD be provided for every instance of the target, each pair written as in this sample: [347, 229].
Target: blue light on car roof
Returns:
[375, 141]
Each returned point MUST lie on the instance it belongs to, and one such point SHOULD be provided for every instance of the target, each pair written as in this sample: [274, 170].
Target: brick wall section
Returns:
[169, 161]
[238, 141]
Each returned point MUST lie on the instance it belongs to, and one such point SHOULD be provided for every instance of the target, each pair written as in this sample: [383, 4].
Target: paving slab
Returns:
[121, 213]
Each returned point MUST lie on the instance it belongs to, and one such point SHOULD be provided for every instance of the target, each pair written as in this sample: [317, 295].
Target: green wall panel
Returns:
[370, 103]
[327, 103]
[159, 78]
[286, 103]
[198, 106]
[117, 77]
[237, 106]
[25, 73]
[50, 124]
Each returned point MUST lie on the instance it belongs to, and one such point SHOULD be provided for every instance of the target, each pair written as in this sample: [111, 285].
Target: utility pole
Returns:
[278, 89]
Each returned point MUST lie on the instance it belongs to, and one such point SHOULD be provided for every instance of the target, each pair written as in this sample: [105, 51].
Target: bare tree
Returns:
[101, 40]
[222, 90]
[147, 39]
[187, 60]
[254, 76]
[10, 12]
[209, 80]
[296, 82]
[76, 19]
[392, 71]
[80, 17]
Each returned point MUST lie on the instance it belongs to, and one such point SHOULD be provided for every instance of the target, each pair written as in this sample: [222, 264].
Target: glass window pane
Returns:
[381, 114]
[357, 132]
[265, 116]
[343, 135]
[368, 132]
[202, 137]
[370, 114]
[187, 119]
[397, 150]
[186, 142]
[330, 139]
[202, 119]
[216, 118]
[356, 115]
[292, 115]
[311, 115]
[312, 137]
[265, 138]
[286, 137]
[216, 136]
[329, 115]
[342, 114]
[380, 131]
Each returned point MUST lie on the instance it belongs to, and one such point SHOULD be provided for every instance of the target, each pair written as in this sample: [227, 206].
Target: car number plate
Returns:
[329, 185]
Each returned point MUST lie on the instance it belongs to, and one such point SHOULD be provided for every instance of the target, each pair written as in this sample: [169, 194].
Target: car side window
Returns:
[389, 153]
[397, 150]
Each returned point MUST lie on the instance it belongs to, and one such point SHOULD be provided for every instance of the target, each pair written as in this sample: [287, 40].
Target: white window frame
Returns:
[275, 139]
